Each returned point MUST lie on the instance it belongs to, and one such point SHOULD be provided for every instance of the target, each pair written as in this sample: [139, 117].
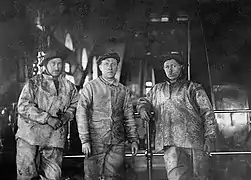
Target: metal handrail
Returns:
[230, 153]
[162, 154]
[217, 111]
[83, 156]
[233, 111]
[149, 153]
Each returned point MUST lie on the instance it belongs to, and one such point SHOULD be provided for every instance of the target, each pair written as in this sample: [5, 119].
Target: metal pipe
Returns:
[208, 64]
[83, 156]
[230, 153]
[188, 52]
[149, 151]
[216, 153]
[217, 111]
[162, 154]
[141, 75]
[69, 135]
[233, 111]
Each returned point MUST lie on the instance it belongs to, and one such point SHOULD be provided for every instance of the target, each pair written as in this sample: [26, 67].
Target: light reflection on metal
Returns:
[148, 53]
[233, 111]
[83, 156]
[38, 22]
[162, 154]
[153, 77]
[182, 19]
[164, 19]
[230, 153]
[155, 19]
[149, 83]
[188, 52]
[94, 68]
[84, 59]
[69, 42]
[67, 67]
[175, 52]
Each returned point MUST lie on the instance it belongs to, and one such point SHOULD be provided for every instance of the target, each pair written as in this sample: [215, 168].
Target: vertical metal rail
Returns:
[141, 77]
[188, 51]
[69, 135]
[149, 154]
[207, 60]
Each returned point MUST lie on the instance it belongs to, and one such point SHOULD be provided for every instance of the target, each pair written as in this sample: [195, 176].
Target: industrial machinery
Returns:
[141, 39]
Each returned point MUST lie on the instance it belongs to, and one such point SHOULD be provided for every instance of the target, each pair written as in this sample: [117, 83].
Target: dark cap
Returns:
[176, 57]
[113, 55]
[55, 49]
[54, 53]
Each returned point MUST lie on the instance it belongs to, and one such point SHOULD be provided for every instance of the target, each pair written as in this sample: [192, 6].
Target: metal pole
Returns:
[208, 64]
[149, 151]
[188, 51]
[69, 135]
[141, 77]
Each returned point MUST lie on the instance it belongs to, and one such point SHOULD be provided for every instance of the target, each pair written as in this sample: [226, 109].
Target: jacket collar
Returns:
[50, 77]
[176, 82]
[115, 82]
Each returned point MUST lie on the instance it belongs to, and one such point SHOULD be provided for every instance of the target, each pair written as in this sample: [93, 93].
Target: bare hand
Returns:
[144, 115]
[134, 148]
[86, 149]
[209, 145]
[64, 116]
[54, 122]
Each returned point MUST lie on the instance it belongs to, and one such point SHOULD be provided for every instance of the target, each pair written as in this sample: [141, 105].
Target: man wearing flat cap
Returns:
[47, 102]
[105, 121]
[184, 119]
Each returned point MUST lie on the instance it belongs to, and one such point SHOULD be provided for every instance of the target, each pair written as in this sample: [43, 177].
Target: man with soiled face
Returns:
[105, 121]
[185, 122]
[47, 102]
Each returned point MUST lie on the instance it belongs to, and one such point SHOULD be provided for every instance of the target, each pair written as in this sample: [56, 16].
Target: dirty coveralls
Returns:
[39, 147]
[105, 119]
[184, 119]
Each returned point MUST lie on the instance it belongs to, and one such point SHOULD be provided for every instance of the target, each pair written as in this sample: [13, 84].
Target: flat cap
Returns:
[176, 57]
[113, 55]
[54, 53]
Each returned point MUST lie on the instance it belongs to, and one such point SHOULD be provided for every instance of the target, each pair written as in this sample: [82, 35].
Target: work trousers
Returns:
[35, 162]
[186, 163]
[105, 163]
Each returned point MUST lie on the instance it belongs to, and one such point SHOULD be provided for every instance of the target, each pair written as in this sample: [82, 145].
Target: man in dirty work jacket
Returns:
[185, 122]
[105, 121]
[47, 102]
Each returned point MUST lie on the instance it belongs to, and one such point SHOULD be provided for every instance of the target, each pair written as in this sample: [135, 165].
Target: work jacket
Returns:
[183, 114]
[105, 113]
[38, 101]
